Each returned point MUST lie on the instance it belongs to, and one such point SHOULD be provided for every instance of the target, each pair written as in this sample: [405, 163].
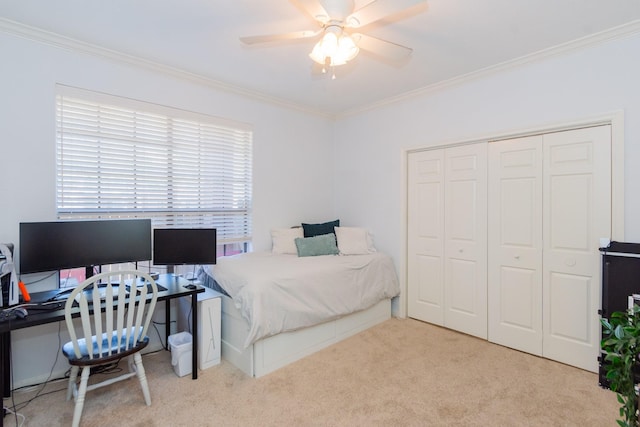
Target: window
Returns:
[118, 158]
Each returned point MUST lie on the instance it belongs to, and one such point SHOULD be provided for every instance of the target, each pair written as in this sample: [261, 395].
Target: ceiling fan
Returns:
[337, 19]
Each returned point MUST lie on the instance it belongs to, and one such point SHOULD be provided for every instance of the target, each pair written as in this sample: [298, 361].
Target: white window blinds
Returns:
[118, 158]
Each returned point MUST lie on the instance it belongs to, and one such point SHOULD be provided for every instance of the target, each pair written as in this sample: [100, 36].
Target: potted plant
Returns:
[621, 343]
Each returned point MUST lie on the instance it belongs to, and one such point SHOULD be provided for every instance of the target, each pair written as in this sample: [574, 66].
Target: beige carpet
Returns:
[399, 373]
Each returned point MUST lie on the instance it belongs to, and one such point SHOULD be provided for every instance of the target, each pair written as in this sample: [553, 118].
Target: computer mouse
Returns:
[20, 312]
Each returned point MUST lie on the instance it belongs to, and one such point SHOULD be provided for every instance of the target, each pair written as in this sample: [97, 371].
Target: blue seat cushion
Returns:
[116, 346]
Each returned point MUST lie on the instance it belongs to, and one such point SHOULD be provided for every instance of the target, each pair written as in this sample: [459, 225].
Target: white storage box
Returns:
[181, 348]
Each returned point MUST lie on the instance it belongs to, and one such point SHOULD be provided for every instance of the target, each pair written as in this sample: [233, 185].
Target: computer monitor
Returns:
[184, 246]
[59, 245]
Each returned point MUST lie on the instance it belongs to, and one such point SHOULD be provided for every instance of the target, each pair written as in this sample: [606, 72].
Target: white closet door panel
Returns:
[426, 293]
[572, 291]
[429, 223]
[577, 210]
[461, 296]
[465, 280]
[515, 244]
[518, 287]
[425, 223]
[461, 195]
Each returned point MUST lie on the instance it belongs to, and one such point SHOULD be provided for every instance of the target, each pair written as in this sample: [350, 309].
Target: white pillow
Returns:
[284, 240]
[354, 241]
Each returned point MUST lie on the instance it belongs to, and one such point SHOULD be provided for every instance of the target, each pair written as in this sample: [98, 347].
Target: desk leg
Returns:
[194, 339]
[5, 368]
[167, 322]
[5, 361]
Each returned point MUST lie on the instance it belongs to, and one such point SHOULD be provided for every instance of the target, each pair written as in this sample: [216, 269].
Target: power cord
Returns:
[44, 384]
[189, 323]
[17, 415]
[155, 326]
[41, 279]
[107, 369]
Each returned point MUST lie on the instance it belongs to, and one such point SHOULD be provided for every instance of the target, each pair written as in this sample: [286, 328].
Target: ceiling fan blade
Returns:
[270, 38]
[383, 48]
[314, 8]
[377, 10]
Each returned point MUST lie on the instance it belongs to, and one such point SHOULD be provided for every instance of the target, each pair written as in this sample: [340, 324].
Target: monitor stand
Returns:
[171, 272]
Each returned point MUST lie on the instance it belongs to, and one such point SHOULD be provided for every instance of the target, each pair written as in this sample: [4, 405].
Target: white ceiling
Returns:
[450, 38]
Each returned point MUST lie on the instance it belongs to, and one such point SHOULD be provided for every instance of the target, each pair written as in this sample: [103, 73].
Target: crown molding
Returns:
[616, 33]
[67, 43]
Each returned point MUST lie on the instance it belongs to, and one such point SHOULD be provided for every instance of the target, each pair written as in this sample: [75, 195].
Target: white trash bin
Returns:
[181, 348]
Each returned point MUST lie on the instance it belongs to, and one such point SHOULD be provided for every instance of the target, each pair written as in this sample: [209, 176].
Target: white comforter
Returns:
[277, 293]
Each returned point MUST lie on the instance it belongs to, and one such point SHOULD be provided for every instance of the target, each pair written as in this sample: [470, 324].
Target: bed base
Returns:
[271, 353]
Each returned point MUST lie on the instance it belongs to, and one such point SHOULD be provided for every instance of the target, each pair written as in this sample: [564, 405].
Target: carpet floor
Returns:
[400, 373]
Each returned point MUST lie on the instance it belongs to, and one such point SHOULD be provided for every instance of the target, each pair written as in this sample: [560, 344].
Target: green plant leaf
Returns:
[621, 344]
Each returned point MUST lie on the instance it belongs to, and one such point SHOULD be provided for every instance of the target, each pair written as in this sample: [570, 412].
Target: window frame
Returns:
[231, 213]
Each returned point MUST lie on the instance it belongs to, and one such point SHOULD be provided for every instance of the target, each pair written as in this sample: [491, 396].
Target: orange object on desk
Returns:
[23, 290]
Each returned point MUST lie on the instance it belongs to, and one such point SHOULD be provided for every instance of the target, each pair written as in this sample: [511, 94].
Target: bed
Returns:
[280, 307]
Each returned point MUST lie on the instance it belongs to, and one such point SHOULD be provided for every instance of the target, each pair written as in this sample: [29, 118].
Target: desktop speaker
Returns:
[8, 277]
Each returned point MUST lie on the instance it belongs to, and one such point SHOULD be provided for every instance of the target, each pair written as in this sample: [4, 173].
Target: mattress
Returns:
[277, 293]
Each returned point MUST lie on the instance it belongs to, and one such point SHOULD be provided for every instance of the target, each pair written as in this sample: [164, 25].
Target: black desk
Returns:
[175, 289]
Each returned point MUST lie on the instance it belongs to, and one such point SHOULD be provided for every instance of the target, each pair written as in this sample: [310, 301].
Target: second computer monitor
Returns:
[184, 246]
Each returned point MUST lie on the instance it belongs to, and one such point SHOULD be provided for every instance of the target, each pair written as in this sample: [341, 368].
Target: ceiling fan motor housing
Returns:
[338, 10]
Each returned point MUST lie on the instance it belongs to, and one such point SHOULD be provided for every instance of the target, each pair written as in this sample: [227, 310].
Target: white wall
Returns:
[571, 87]
[293, 164]
[288, 187]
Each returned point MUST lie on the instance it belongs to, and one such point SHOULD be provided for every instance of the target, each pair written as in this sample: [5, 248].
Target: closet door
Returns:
[465, 274]
[550, 202]
[425, 229]
[515, 243]
[577, 212]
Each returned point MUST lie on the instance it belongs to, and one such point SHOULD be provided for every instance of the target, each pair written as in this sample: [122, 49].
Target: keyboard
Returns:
[57, 301]
[102, 292]
[46, 306]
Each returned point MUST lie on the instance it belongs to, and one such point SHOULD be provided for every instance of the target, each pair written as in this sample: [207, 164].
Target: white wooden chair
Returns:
[119, 331]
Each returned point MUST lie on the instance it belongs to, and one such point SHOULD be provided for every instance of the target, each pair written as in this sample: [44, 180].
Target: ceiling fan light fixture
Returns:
[338, 48]
[347, 47]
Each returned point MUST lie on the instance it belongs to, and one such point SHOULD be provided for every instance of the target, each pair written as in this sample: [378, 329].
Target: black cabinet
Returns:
[620, 278]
